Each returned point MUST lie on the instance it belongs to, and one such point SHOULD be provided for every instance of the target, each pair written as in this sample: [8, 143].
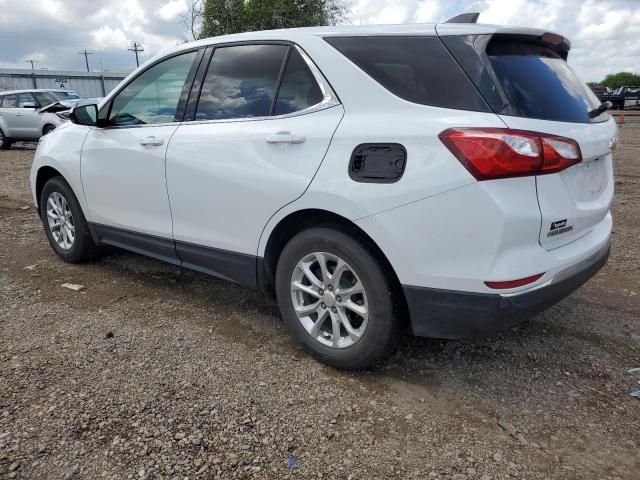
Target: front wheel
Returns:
[64, 223]
[337, 299]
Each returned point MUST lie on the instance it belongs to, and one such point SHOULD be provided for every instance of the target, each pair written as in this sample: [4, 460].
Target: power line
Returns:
[86, 57]
[32, 62]
[136, 48]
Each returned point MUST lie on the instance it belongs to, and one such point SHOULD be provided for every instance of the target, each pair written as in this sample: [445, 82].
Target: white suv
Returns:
[452, 179]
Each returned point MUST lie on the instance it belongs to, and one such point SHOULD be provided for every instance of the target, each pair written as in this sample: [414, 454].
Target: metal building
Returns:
[86, 84]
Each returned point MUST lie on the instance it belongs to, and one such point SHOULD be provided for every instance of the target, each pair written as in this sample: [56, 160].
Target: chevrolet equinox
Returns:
[448, 179]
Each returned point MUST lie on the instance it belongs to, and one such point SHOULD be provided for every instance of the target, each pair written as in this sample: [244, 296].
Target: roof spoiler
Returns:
[471, 17]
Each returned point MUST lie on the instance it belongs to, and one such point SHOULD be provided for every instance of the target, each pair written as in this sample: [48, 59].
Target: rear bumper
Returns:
[451, 314]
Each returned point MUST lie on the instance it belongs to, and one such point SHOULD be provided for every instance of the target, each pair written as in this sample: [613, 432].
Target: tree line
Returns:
[616, 80]
[209, 18]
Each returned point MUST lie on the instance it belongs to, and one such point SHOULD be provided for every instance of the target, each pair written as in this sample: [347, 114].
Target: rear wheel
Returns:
[337, 299]
[5, 142]
[64, 223]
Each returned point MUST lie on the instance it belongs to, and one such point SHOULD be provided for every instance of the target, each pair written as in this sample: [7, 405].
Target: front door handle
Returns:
[153, 141]
[285, 137]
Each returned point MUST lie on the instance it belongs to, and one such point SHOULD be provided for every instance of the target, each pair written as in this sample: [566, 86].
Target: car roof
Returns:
[366, 30]
[31, 90]
[299, 35]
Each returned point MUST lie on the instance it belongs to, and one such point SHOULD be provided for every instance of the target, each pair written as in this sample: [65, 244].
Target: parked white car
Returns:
[452, 179]
[22, 117]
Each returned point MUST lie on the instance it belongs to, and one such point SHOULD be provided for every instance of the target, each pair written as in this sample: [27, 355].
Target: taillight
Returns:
[490, 153]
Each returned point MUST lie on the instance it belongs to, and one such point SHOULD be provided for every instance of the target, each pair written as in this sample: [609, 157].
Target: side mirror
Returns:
[29, 105]
[84, 115]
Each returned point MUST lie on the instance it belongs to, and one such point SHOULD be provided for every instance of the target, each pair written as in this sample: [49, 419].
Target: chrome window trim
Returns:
[329, 99]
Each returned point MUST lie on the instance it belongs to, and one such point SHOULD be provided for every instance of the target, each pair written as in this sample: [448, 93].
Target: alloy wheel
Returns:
[60, 221]
[329, 300]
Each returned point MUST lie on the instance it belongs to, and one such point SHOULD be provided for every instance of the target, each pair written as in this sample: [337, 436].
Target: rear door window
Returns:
[539, 84]
[241, 82]
[10, 101]
[25, 98]
[417, 69]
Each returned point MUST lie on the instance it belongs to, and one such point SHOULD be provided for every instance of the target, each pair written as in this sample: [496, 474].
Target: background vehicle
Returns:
[622, 97]
[23, 115]
[438, 175]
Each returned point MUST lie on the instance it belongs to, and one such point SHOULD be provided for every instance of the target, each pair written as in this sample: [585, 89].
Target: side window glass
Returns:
[241, 82]
[299, 89]
[25, 98]
[10, 101]
[153, 96]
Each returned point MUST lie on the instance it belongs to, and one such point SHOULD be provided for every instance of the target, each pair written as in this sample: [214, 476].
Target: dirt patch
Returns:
[157, 372]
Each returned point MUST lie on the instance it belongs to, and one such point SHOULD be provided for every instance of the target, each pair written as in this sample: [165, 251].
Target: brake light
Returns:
[491, 153]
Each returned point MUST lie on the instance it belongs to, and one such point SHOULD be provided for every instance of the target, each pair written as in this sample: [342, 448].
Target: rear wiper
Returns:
[600, 110]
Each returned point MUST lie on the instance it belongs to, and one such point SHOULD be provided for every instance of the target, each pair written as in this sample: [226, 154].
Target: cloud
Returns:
[605, 34]
[106, 36]
[172, 9]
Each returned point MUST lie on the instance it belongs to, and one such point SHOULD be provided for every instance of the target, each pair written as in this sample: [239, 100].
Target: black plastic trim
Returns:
[235, 267]
[152, 246]
[455, 315]
[276, 91]
[186, 88]
[394, 174]
[196, 87]
[471, 17]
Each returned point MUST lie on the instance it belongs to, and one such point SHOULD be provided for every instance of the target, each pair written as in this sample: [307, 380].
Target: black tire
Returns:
[83, 247]
[5, 142]
[383, 329]
[48, 129]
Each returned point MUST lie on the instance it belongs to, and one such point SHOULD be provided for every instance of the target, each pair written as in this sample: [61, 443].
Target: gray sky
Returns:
[605, 34]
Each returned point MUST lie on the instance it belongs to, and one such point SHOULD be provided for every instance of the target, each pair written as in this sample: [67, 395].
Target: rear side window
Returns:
[298, 89]
[10, 101]
[241, 82]
[417, 69]
[538, 83]
[25, 98]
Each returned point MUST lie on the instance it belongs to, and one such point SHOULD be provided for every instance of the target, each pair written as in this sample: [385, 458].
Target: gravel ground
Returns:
[157, 372]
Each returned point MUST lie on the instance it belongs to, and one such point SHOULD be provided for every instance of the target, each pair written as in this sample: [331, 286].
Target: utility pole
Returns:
[86, 57]
[32, 62]
[136, 48]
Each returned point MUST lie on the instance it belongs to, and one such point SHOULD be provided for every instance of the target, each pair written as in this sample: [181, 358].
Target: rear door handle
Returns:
[285, 137]
[153, 141]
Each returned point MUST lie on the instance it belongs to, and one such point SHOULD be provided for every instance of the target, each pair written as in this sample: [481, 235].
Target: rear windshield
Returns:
[540, 84]
[417, 69]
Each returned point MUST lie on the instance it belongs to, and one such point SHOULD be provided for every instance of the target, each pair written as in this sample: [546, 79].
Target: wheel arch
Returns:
[300, 220]
[44, 174]
[44, 127]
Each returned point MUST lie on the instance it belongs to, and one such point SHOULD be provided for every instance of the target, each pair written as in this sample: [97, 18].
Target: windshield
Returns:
[45, 98]
[540, 84]
[66, 95]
